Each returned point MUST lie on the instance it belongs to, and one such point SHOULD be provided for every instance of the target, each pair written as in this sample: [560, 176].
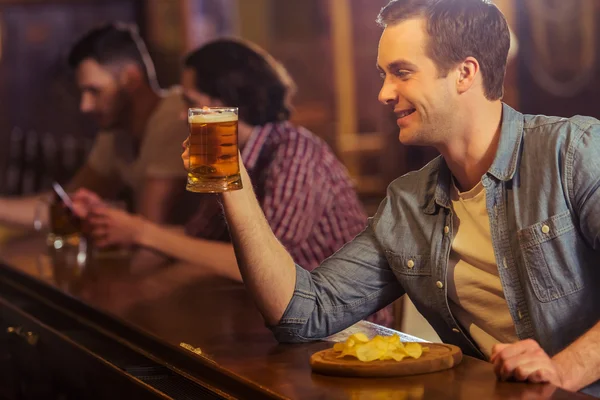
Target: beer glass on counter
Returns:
[68, 249]
[63, 226]
[213, 148]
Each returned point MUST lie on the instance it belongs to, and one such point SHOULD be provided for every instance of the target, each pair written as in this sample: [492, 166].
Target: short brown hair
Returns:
[459, 29]
[113, 43]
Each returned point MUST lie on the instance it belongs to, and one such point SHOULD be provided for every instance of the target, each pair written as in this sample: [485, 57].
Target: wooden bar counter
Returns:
[179, 316]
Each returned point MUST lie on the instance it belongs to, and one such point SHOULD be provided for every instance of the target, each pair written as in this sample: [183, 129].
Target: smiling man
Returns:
[496, 241]
[140, 132]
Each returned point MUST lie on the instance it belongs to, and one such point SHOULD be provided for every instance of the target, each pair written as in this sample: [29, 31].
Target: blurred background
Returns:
[328, 46]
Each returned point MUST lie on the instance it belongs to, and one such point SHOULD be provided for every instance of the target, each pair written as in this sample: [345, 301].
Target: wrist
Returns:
[141, 232]
[566, 372]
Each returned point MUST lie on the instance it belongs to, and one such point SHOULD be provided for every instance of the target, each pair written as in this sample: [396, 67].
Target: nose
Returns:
[387, 94]
[86, 105]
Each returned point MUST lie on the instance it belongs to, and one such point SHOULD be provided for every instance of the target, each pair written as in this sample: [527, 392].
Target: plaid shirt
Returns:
[304, 191]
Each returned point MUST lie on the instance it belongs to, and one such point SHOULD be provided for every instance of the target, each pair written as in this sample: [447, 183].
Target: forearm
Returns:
[266, 267]
[213, 256]
[579, 363]
[22, 211]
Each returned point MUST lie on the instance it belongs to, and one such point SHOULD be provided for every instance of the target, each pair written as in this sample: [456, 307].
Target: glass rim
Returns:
[204, 109]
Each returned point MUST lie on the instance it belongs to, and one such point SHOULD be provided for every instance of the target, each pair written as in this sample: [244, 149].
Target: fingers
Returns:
[104, 236]
[185, 156]
[532, 370]
[517, 348]
[505, 351]
[497, 348]
[511, 357]
[83, 201]
[96, 221]
[86, 196]
[100, 227]
[540, 376]
[523, 361]
[108, 213]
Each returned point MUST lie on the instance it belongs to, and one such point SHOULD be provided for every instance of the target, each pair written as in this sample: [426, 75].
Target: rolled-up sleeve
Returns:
[350, 285]
[583, 174]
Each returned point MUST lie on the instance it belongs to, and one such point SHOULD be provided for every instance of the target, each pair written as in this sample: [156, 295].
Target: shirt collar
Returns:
[507, 156]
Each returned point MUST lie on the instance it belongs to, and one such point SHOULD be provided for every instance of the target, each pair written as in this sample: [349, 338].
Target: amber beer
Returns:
[214, 165]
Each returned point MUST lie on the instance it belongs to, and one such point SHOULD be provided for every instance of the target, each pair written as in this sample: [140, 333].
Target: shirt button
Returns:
[545, 229]
[410, 264]
[439, 284]
[455, 330]
[446, 229]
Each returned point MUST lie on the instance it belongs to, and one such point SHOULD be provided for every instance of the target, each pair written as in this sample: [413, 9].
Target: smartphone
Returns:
[63, 196]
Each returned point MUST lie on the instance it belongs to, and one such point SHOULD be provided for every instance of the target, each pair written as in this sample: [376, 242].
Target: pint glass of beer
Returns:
[62, 227]
[67, 244]
[214, 165]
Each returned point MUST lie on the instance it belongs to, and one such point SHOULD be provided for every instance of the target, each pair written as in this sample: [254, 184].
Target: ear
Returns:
[468, 72]
[131, 77]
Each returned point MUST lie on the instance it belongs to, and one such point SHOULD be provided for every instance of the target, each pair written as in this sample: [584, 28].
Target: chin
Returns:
[407, 137]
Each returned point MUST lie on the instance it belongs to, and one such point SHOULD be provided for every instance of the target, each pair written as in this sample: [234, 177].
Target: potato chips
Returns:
[379, 348]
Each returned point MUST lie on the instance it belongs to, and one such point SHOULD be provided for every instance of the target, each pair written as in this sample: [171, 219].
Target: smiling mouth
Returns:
[405, 113]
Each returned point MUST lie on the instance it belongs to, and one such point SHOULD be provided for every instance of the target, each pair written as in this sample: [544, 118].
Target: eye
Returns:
[382, 75]
[92, 91]
[402, 74]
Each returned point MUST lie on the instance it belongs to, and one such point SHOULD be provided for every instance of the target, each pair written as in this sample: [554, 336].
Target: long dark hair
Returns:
[242, 75]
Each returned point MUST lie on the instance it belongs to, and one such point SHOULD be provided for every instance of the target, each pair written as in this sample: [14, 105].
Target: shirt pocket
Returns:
[409, 264]
[550, 251]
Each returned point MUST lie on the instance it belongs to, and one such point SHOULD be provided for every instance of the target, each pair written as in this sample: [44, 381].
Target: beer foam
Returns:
[212, 118]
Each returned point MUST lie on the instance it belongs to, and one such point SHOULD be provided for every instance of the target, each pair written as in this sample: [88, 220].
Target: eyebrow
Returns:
[400, 64]
[89, 88]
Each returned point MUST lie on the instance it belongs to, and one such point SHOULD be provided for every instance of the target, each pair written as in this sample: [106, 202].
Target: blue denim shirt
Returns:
[543, 202]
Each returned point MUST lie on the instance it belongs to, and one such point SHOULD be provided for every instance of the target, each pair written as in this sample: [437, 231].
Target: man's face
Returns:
[422, 101]
[191, 96]
[102, 97]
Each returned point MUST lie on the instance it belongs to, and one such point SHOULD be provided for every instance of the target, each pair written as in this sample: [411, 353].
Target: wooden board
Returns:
[439, 357]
